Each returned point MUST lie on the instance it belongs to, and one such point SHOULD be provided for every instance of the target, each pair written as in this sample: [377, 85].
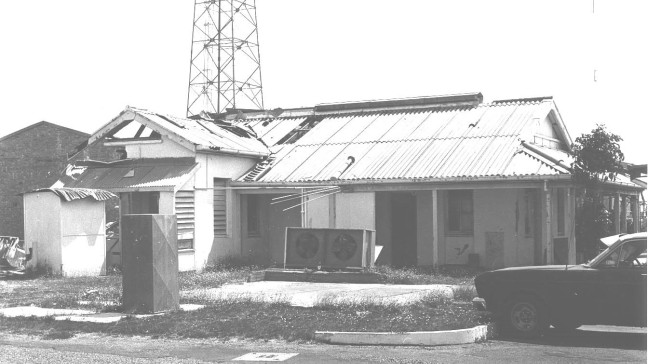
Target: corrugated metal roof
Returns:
[160, 173]
[72, 194]
[205, 133]
[454, 142]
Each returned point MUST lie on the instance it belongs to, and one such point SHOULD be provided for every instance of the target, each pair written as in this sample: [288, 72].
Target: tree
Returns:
[597, 158]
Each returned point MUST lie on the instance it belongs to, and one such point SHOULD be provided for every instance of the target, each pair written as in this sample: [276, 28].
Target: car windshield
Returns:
[627, 254]
[601, 255]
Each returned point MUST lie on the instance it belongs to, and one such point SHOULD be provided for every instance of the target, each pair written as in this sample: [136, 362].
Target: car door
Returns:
[620, 295]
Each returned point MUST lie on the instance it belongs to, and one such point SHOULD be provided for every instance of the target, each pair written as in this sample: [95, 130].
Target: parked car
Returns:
[608, 290]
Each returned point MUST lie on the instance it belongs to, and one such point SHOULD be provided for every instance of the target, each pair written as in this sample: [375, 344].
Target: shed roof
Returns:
[130, 174]
[456, 138]
[72, 194]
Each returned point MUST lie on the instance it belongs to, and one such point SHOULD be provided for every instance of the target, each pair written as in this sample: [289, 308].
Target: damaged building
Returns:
[441, 180]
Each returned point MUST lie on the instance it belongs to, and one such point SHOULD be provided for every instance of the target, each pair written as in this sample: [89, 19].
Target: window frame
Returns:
[461, 199]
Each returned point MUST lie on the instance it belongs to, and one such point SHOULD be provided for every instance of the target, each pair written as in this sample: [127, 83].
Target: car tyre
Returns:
[525, 316]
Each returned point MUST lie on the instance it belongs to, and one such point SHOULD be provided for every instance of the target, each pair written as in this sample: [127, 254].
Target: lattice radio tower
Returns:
[225, 63]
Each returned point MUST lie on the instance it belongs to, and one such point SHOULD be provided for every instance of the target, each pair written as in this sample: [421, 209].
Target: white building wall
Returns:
[204, 228]
[43, 229]
[355, 210]
[166, 149]
[499, 236]
[83, 238]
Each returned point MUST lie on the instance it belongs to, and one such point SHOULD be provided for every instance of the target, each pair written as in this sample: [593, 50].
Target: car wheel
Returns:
[525, 316]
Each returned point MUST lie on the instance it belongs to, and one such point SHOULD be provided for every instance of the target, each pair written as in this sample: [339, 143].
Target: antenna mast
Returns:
[225, 70]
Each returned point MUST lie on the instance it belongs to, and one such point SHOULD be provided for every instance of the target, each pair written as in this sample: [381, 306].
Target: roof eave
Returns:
[236, 152]
[560, 177]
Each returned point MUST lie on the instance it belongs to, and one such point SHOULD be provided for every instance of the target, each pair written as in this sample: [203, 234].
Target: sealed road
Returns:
[580, 347]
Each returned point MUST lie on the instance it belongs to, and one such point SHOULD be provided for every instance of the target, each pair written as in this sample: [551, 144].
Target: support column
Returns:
[546, 225]
[624, 213]
[435, 228]
[617, 214]
[635, 214]
[571, 225]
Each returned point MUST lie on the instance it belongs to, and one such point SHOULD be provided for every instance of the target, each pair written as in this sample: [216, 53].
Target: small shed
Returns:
[66, 230]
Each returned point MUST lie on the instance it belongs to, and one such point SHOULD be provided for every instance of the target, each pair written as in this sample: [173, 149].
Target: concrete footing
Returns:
[422, 338]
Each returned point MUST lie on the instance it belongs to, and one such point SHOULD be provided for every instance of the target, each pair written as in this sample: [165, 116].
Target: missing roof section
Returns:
[303, 128]
[457, 100]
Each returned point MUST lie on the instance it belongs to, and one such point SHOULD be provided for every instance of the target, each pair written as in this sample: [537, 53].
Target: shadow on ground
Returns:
[588, 338]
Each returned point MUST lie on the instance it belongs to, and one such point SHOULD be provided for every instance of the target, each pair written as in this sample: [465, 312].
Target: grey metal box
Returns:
[150, 263]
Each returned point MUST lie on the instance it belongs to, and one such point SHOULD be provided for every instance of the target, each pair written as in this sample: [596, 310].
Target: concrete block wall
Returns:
[31, 158]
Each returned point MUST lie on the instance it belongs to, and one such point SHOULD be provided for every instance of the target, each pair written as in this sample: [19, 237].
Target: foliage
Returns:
[593, 221]
[597, 156]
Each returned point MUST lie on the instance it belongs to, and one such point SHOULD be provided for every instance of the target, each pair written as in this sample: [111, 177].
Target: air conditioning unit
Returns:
[329, 248]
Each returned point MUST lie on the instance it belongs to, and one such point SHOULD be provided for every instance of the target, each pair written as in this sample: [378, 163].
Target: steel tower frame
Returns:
[225, 68]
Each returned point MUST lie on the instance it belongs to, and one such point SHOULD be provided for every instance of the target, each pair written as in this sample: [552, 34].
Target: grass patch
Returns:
[464, 293]
[267, 321]
[103, 293]
[454, 275]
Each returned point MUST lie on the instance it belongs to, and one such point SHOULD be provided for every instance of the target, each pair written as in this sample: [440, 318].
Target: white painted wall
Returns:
[166, 149]
[500, 211]
[204, 227]
[67, 237]
[83, 238]
[43, 229]
[355, 210]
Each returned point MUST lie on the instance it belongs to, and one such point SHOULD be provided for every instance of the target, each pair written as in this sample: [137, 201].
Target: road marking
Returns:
[266, 356]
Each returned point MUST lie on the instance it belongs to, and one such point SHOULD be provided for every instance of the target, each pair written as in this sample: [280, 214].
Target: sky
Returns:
[79, 63]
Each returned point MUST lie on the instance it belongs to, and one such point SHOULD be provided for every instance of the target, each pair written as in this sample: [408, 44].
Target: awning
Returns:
[155, 174]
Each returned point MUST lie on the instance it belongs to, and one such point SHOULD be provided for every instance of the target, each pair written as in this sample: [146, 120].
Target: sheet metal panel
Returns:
[204, 133]
[436, 121]
[288, 162]
[405, 126]
[280, 129]
[461, 142]
[114, 177]
[314, 167]
[350, 131]
[324, 130]
[381, 125]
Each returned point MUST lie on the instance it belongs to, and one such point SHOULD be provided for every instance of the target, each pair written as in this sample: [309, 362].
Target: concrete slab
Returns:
[80, 315]
[100, 318]
[419, 338]
[308, 294]
[28, 311]
[611, 328]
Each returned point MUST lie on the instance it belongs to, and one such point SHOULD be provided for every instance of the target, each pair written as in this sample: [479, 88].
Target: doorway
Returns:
[403, 235]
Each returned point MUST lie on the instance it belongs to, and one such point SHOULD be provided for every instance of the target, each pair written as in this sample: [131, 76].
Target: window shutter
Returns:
[220, 208]
[184, 201]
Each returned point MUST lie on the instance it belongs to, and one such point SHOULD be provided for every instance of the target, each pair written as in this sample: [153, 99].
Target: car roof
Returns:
[634, 236]
[609, 240]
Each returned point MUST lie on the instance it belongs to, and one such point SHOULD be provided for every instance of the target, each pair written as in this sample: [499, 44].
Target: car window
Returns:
[631, 254]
